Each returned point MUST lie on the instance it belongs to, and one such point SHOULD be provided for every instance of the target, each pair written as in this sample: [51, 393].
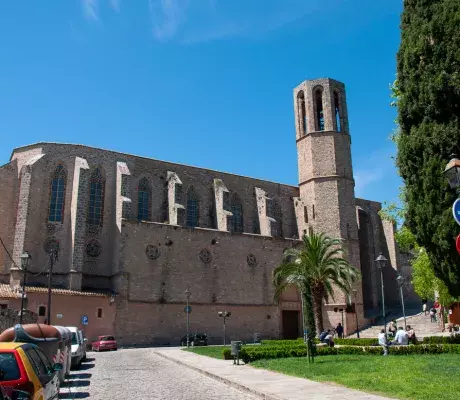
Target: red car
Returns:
[104, 343]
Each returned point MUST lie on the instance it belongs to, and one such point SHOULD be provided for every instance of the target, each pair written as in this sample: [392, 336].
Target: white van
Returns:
[78, 346]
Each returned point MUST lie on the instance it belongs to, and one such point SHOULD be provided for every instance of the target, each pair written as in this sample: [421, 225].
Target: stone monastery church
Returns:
[144, 231]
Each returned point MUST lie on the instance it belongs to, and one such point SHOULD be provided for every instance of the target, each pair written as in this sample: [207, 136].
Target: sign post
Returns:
[84, 320]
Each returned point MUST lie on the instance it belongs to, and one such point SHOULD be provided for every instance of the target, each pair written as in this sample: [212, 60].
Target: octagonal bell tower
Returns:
[327, 198]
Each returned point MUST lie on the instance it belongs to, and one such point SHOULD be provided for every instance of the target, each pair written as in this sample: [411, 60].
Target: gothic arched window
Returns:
[319, 110]
[277, 225]
[236, 224]
[301, 113]
[96, 197]
[57, 195]
[337, 112]
[144, 200]
[192, 207]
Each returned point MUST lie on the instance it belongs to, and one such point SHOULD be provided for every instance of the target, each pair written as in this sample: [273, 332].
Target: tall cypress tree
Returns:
[428, 88]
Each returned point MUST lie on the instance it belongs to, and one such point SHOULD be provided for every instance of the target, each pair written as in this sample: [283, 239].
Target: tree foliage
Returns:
[316, 268]
[428, 101]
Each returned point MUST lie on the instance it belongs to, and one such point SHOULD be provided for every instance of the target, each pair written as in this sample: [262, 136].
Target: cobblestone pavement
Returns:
[142, 375]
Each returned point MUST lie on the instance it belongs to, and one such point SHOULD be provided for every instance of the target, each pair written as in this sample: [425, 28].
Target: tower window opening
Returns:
[338, 115]
[305, 214]
[313, 211]
[302, 113]
[319, 110]
[192, 207]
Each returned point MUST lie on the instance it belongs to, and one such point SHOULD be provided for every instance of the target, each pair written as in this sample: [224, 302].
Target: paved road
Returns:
[142, 375]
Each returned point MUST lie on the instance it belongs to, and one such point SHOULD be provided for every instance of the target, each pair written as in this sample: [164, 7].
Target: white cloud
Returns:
[90, 9]
[115, 4]
[193, 21]
[373, 169]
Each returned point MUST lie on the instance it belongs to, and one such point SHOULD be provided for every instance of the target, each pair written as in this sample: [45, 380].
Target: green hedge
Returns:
[250, 354]
[441, 340]
[292, 342]
[357, 342]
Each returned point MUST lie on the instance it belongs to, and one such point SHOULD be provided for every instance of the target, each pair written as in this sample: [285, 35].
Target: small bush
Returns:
[357, 342]
[441, 340]
[292, 342]
[227, 354]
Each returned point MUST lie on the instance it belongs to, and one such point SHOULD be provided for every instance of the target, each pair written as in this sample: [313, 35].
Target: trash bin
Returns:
[236, 347]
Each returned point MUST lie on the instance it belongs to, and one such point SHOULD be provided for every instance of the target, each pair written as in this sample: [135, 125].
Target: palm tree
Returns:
[315, 268]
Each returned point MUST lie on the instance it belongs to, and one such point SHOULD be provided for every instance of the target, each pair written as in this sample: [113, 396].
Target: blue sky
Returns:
[199, 82]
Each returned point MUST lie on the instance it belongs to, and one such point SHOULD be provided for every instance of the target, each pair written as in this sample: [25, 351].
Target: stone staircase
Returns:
[419, 322]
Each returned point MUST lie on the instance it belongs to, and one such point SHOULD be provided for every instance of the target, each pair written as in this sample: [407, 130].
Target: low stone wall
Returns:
[9, 318]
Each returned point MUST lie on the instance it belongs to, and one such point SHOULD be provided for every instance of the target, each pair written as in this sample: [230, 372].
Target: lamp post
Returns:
[452, 172]
[224, 315]
[400, 281]
[355, 295]
[25, 259]
[188, 293]
[381, 262]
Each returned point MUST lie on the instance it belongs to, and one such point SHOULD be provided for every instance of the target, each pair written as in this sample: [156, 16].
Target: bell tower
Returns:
[327, 198]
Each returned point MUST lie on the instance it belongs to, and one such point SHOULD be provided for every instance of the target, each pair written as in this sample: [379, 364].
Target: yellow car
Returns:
[26, 373]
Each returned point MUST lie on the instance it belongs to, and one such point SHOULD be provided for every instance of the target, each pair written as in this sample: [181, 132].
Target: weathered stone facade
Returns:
[149, 230]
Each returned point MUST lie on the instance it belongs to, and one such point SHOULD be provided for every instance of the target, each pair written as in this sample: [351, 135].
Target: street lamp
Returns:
[224, 315]
[25, 260]
[400, 281]
[381, 262]
[452, 172]
[188, 293]
[355, 295]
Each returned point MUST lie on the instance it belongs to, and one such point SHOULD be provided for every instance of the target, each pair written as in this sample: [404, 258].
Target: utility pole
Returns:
[25, 259]
[53, 258]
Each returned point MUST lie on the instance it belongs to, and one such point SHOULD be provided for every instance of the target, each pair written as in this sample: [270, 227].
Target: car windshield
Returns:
[107, 338]
[9, 370]
[74, 338]
[201, 336]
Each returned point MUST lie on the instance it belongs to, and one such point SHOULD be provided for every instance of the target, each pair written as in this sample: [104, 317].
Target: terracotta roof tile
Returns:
[6, 291]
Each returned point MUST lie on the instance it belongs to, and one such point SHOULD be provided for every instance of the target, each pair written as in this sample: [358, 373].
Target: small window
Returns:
[301, 112]
[3, 306]
[10, 369]
[42, 311]
[226, 201]
[305, 214]
[319, 110]
[337, 111]
[99, 312]
[178, 193]
[313, 211]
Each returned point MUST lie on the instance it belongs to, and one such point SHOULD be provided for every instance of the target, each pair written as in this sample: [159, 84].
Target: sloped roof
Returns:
[6, 291]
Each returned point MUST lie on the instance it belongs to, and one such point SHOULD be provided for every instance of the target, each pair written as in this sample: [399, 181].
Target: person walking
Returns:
[339, 330]
[433, 314]
[425, 306]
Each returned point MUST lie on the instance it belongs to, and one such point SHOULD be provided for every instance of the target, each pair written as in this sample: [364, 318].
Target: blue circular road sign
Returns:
[456, 211]
[188, 309]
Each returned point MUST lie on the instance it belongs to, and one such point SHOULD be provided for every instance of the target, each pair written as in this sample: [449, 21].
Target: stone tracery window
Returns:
[192, 207]
[57, 195]
[236, 223]
[144, 200]
[96, 198]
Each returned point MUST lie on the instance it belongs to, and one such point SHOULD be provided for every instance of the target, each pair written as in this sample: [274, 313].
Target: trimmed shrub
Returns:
[441, 340]
[357, 342]
[250, 354]
[227, 354]
[292, 342]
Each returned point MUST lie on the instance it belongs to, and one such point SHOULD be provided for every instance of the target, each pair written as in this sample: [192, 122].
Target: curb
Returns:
[227, 381]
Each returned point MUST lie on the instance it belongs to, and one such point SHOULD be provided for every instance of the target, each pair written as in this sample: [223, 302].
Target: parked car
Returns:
[83, 341]
[104, 343]
[195, 339]
[27, 373]
[78, 347]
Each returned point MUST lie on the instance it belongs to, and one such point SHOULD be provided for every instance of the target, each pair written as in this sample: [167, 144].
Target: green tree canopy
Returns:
[428, 90]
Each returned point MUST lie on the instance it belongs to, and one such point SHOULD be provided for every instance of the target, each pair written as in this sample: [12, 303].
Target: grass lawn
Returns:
[209, 351]
[421, 377]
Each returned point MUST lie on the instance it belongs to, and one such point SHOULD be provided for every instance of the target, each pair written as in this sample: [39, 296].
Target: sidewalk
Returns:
[265, 384]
